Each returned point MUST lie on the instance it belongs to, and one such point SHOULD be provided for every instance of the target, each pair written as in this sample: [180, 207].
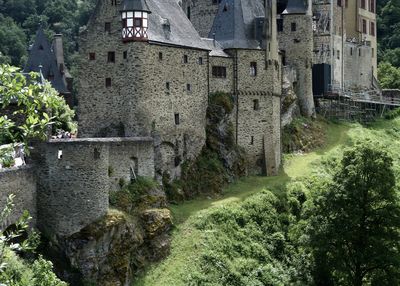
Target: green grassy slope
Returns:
[187, 239]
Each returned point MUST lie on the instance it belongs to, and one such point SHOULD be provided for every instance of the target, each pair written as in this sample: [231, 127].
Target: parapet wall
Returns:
[20, 182]
[75, 177]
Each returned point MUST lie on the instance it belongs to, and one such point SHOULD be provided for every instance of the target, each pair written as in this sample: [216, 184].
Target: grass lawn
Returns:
[186, 238]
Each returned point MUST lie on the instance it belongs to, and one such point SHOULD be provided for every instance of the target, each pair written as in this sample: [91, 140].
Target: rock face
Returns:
[110, 251]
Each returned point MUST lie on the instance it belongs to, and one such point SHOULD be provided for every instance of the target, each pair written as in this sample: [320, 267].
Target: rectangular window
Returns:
[219, 72]
[338, 54]
[92, 56]
[188, 12]
[293, 27]
[200, 60]
[252, 140]
[107, 27]
[372, 29]
[359, 52]
[372, 6]
[167, 85]
[111, 57]
[339, 3]
[279, 24]
[364, 26]
[216, 2]
[125, 55]
[108, 82]
[362, 4]
[188, 87]
[256, 104]
[185, 59]
[351, 51]
[177, 120]
[373, 53]
[253, 69]
[160, 56]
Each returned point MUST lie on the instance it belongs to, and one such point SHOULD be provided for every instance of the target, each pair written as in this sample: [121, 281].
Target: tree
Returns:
[354, 228]
[31, 106]
[388, 75]
[13, 44]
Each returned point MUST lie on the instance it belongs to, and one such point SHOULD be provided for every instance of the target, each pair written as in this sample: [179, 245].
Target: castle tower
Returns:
[143, 72]
[296, 42]
[201, 13]
[240, 29]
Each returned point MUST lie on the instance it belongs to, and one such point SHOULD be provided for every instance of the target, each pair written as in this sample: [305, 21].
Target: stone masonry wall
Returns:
[298, 47]
[74, 178]
[357, 66]
[222, 84]
[202, 14]
[20, 182]
[258, 112]
[153, 91]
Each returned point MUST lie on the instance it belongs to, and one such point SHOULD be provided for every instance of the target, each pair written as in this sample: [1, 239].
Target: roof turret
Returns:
[135, 5]
[295, 7]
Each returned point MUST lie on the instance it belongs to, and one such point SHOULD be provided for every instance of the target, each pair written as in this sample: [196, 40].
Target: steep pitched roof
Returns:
[134, 5]
[234, 25]
[42, 58]
[295, 7]
[168, 24]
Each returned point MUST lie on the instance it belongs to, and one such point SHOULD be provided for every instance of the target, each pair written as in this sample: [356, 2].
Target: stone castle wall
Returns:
[20, 182]
[298, 47]
[74, 178]
[202, 14]
[153, 91]
[357, 64]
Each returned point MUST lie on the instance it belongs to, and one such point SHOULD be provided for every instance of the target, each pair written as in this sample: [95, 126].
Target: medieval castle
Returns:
[147, 69]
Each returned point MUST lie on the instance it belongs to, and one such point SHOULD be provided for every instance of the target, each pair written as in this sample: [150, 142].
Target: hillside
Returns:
[208, 247]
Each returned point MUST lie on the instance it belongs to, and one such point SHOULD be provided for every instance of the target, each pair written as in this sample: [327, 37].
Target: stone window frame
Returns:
[177, 118]
[253, 69]
[256, 104]
[108, 82]
[218, 71]
[107, 27]
[111, 57]
[364, 25]
[200, 61]
[372, 28]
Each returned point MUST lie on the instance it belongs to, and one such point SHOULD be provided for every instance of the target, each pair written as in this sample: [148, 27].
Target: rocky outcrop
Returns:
[110, 251]
[290, 108]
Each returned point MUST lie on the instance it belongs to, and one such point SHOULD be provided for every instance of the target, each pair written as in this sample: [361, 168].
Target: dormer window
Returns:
[134, 26]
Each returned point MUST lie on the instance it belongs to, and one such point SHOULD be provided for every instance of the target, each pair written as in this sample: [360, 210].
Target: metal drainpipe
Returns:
[235, 79]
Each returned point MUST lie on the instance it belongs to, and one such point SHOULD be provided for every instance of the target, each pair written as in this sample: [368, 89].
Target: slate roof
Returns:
[234, 24]
[134, 5]
[168, 24]
[215, 48]
[295, 7]
[42, 58]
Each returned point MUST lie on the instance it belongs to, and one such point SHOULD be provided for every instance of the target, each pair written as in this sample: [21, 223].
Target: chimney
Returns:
[59, 51]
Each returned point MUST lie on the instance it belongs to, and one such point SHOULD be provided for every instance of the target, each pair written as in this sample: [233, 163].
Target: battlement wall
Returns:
[20, 182]
[75, 177]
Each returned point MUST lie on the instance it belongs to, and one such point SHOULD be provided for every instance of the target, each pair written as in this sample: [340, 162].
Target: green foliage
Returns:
[392, 114]
[13, 44]
[389, 76]
[354, 221]
[13, 269]
[134, 196]
[33, 106]
[6, 157]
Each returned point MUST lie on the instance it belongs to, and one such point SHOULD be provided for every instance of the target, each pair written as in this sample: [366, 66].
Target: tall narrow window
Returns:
[372, 29]
[185, 59]
[177, 120]
[167, 85]
[188, 87]
[364, 26]
[160, 56]
[253, 69]
[111, 57]
[108, 82]
[293, 27]
[188, 12]
[125, 55]
[107, 27]
[256, 104]
[279, 24]
[362, 3]
[372, 6]
[351, 51]
[200, 60]
[252, 140]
